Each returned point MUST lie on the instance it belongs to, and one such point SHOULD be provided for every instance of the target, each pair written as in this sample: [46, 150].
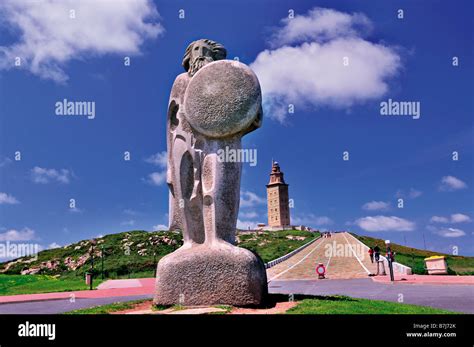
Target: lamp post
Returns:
[92, 264]
[390, 259]
[154, 256]
[102, 259]
[154, 262]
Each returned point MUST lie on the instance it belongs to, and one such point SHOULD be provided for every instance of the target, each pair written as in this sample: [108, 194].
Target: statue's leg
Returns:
[190, 207]
[179, 148]
[221, 190]
[174, 213]
[216, 272]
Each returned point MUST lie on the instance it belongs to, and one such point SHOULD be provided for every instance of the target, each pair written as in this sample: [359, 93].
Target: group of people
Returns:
[374, 253]
[326, 234]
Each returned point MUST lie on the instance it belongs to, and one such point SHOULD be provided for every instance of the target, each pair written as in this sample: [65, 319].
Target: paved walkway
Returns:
[58, 306]
[426, 279]
[451, 297]
[142, 286]
[342, 255]
[128, 283]
[345, 257]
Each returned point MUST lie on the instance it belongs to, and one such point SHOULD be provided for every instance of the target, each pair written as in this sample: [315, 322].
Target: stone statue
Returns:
[212, 105]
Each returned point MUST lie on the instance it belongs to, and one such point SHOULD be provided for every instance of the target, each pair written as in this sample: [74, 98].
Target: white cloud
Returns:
[245, 221]
[156, 178]
[312, 73]
[455, 218]
[450, 232]
[376, 206]
[130, 222]
[438, 219]
[43, 175]
[250, 199]
[311, 219]
[53, 245]
[246, 224]
[48, 38]
[131, 212]
[5, 161]
[159, 227]
[412, 193]
[158, 159]
[25, 234]
[460, 218]
[8, 199]
[384, 223]
[321, 24]
[248, 215]
[451, 183]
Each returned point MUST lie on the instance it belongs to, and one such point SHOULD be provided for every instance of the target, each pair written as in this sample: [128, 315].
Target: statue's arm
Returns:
[174, 104]
[257, 123]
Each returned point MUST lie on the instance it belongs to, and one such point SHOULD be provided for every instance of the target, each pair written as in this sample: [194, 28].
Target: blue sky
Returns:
[297, 62]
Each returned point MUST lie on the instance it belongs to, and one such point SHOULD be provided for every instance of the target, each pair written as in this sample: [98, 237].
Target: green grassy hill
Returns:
[414, 258]
[135, 253]
[124, 253]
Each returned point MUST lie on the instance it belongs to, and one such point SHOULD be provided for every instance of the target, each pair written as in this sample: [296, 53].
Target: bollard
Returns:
[390, 259]
[380, 266]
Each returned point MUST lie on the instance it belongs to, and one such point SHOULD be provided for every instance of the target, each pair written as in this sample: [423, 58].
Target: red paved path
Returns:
[147, 287]
[427, 279]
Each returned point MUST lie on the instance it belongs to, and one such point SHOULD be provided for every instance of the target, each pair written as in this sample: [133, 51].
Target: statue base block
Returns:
[220, 274]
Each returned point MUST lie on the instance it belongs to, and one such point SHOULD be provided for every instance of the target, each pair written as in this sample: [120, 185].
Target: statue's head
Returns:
[200, 53]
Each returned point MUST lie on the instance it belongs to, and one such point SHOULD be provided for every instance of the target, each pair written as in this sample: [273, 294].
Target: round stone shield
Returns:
[222, 99]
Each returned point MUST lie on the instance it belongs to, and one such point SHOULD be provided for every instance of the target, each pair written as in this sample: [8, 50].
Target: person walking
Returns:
[371, 254]
[377, 253]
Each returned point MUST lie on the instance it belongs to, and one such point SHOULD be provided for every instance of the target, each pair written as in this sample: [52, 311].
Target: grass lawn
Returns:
[347, 305]
[32, 284]
[315, 305]
[106, 309]
[274, 244]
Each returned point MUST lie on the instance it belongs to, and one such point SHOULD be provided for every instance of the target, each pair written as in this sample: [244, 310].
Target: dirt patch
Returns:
[280, 307]
[146, 305]
[146, 308]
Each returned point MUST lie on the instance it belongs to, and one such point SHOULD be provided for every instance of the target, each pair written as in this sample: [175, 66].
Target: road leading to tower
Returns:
[343, 256]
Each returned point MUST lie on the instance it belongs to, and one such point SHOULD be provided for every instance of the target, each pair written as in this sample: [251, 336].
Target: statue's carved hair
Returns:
[218, 51]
